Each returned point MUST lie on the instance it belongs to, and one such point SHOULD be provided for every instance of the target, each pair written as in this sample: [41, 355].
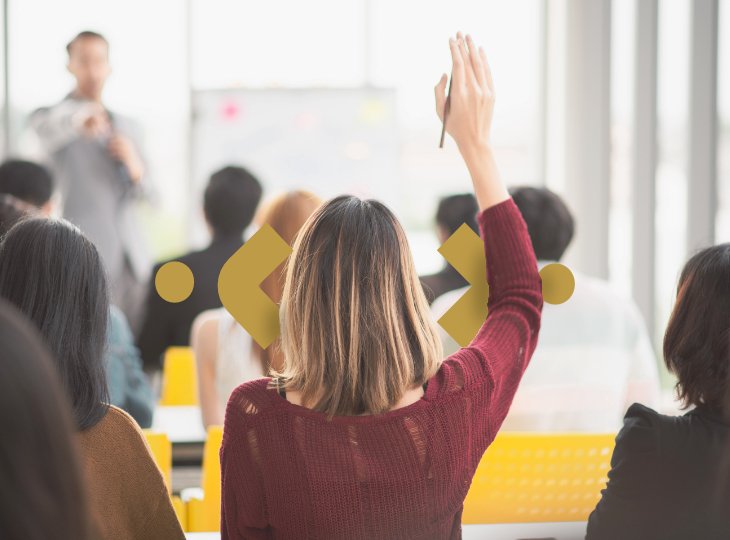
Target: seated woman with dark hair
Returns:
[670, 476]
[54, 275]
[38, 461]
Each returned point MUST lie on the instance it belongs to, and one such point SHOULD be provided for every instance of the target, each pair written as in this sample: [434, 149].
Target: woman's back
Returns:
[129, 499]
[356, 461]
[290, 472]
[670, 478]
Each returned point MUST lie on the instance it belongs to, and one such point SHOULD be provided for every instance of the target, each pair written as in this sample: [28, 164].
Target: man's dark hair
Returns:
[27, 181]
[11, 211]
[54, 275]
[697, 339]
[230, 200]
[549, 222]
[85, 35]
[455, 210]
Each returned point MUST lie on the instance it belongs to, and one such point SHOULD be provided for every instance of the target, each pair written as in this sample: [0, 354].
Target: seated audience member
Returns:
[42, 493]
[670, 476]
[452, 213]
[128, 386]
[127, 493]
[229, 203]
[225, 352]
[594, 358]
[366, 432]
[29, 182]
[31, 186]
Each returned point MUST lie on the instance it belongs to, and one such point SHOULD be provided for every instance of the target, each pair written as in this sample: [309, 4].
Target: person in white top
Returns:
[594, 357]
[226, 354]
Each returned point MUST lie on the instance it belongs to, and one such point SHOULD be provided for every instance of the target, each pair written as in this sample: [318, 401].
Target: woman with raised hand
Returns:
[53, 274]
[366, 432]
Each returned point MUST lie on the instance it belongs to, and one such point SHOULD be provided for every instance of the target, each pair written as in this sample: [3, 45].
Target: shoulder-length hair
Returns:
[697, 339]
[356, 328]
[43, 494]
[54, 275]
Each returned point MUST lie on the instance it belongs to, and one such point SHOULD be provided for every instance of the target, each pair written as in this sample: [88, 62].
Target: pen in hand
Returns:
[446, 112]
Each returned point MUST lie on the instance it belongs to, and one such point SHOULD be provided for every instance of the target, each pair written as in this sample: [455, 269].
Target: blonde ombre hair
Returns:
[356, 327]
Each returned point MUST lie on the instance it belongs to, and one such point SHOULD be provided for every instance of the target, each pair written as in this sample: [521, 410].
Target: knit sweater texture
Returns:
[127, 493]
[290, 472]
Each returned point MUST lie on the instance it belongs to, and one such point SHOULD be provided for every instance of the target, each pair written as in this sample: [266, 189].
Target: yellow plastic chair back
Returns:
[181, 510]
[162, 454]
[205, 515]
[526, 477]
[179, 377]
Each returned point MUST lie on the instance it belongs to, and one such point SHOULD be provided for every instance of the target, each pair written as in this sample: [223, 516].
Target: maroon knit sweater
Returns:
[288, 472]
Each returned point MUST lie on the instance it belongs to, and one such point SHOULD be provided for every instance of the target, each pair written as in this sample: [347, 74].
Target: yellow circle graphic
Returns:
[558, 283]
[174, 282]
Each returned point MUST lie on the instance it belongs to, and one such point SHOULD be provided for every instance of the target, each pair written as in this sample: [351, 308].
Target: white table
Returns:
[506, 531]
[182, 424]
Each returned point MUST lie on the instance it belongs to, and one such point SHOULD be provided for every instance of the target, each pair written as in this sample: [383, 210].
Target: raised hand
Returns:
[469, 119]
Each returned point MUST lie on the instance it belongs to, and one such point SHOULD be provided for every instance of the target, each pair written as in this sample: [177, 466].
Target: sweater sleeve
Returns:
[632, 484]
[493, 363]
[243, 502]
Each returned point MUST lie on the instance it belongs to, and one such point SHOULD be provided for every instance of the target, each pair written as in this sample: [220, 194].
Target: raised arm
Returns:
[469, 119]
[495, 360]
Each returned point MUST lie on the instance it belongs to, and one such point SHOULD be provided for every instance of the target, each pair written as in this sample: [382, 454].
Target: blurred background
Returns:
[620, 106]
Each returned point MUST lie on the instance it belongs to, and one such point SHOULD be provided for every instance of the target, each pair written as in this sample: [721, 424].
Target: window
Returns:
[671, 186]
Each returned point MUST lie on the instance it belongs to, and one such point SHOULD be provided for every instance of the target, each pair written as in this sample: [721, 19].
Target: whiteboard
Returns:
[328, 141]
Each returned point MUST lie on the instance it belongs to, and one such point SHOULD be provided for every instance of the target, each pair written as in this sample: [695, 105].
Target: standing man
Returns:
[96, 161]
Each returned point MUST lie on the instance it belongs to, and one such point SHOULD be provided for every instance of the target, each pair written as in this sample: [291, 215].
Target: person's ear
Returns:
[442, 234]
[47, 209]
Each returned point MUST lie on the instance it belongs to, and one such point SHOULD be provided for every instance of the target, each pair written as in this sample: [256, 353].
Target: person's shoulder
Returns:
[116, 430]
[120, 421]
[251, 401]
[641, 431]
[127, 438]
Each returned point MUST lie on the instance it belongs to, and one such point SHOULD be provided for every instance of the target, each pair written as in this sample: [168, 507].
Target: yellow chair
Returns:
[539, 478]
[204, 515]
[181, 510]
[162, 453]
[179, 377]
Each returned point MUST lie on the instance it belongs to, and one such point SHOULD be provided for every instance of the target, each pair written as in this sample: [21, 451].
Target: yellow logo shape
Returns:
[241, 276]
[558, 283]
[464, 250]
[239, 280]
[174, 282]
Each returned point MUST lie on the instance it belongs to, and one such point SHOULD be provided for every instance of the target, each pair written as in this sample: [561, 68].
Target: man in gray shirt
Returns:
[98, 167]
